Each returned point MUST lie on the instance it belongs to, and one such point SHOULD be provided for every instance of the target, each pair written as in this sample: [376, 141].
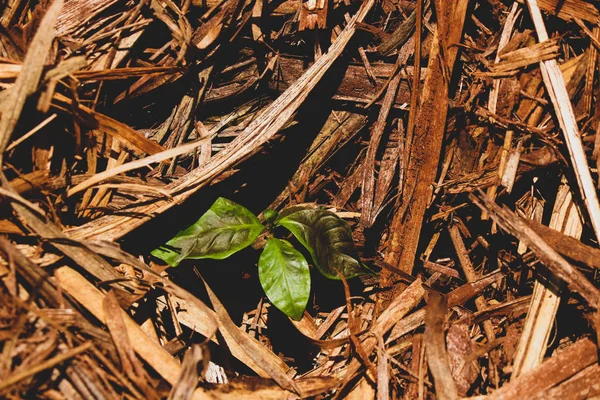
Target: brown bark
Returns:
[405, 229]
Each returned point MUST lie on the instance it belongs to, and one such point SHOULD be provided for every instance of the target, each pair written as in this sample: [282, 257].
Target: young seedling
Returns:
[227, 228]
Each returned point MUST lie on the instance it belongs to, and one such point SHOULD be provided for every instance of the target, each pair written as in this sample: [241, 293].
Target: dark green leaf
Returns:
[290, 210]
[284, 275]
[328, 239]
[223, 230]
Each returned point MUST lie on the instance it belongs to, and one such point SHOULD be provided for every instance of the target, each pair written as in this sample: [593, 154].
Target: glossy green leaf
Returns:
[223, 230]
[328, 239]
[285, 277]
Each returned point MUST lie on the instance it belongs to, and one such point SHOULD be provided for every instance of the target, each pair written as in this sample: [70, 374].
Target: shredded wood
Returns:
[459, 140]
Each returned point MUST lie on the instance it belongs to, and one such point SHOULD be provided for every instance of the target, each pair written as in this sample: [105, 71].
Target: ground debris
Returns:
[458, 140]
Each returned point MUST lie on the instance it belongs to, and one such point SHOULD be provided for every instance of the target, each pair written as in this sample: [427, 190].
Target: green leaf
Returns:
[270, 215]
[328, 239]
[169, 255]
[285, 277]
[223, 230]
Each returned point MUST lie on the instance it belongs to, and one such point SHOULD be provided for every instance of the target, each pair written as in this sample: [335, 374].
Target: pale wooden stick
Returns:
[557, 90]
[132, 165]
[533, 342]
[31, 132]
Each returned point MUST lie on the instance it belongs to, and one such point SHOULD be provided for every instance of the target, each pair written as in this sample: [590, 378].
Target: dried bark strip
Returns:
[551, 372]
[460, 349]
[353, 327]
[188, 380]
[32, 274]
[428, 138]
[435, 347]
[383, 371]
[252, 388]
[95, 120]
[583, 385]
[412, 389]
[469, 272]
[355, 84]
[567, 246]
[255, 351]
[368, 178]
[546, 297]
[398, 308]
[568, 9]
[130, 364]
[87, 259]
[400, 36]
[514, 60]
[392, 154]
[454, 298]
[331, 137]
[515, 306]
[519, 229]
